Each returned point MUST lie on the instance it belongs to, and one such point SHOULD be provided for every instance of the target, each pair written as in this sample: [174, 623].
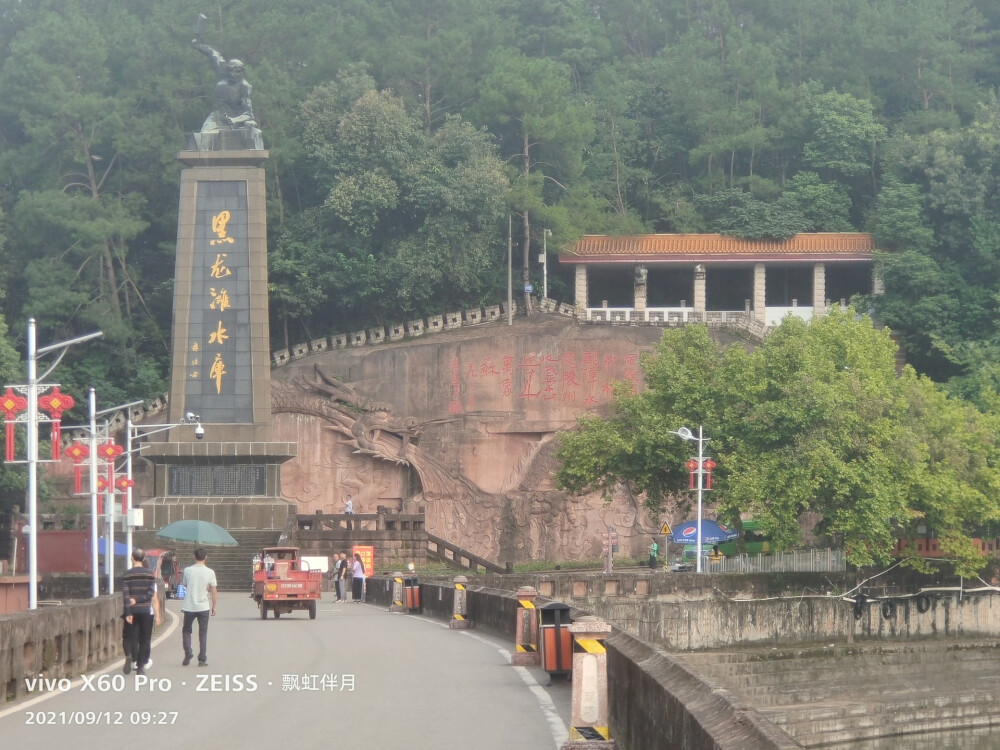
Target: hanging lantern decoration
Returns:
[11, 404]
[707, 465]
[79, 453]
[123, 483]
[109, 452]
[55, 403]
[102, 486]
[692, 466]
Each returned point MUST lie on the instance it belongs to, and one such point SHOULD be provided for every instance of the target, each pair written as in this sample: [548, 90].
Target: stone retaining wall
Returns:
[59, 641]
[693, 612]
[653, 700]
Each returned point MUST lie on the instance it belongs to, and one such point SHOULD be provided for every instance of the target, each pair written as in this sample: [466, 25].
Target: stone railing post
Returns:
[397, 593]
[589, 721]
[460, 609]
[526, 634]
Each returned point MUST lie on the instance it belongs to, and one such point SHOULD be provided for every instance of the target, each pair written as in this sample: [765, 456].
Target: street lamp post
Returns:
[685, 434]
[34, 352]
[510, 269]
[544, 260]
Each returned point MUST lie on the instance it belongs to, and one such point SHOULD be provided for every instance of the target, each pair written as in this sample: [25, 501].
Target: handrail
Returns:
[458, 554]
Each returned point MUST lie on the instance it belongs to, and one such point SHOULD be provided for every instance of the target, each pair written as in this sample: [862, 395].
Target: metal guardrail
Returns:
[804, 561]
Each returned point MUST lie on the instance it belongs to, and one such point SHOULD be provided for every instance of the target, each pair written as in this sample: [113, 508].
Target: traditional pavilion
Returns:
[711, 277]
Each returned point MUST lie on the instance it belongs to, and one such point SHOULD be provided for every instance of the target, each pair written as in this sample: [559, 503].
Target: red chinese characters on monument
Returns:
[555, 378]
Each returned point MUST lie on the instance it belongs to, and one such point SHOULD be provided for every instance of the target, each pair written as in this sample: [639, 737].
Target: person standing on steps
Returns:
[349, 510]
[200, 602]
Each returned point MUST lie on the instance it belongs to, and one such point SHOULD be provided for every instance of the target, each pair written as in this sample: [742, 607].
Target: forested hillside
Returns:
[402, 133]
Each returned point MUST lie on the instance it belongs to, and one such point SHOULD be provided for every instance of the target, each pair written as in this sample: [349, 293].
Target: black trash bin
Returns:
[555, 639]
[411, 594]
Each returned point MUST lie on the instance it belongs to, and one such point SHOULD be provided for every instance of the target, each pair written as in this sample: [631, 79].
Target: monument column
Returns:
[759, 293]
[819, 290]
[639, 287]
[220, 360]
[220, 367]
[700, 297]
[581, 287]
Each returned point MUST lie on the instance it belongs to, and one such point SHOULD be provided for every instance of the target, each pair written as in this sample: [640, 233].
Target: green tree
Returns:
[547, 124]
[409, 221]
[814, 421]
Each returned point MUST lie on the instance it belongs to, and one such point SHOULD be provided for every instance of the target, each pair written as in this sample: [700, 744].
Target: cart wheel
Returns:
[263, 611]
[312, 610]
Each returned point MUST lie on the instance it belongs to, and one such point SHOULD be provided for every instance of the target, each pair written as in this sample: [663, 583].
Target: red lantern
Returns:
[79, 453]
[102, 486]
[109, 452]
[11, 404]
[123, 483]
[708, 464]
[55, 403]
[692, 466]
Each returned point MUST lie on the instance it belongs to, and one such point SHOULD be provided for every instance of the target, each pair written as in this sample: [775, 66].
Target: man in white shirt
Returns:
[200, 601]
[349, 510]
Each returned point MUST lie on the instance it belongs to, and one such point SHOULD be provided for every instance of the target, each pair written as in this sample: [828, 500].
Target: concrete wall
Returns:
[654, 702]
[56, 642]
[695, 612]
[13, 594]
[706, 624]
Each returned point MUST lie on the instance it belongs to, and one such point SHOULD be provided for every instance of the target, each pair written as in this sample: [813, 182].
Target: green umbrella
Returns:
[194, 531]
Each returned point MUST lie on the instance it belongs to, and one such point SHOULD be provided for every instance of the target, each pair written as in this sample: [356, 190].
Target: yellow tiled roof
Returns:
[695, 247]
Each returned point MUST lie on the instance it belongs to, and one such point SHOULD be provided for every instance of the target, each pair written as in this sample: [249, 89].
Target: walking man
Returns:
[349, 510]
[142, 610]
[200, 601]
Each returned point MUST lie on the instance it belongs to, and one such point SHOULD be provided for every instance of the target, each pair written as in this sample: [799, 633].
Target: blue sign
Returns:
[529, 288]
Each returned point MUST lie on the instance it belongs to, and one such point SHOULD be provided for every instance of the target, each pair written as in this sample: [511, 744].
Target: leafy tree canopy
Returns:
[814, 422]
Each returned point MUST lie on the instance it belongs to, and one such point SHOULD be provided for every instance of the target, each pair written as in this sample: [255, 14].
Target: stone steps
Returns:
[826, 695]
[233, 566]
[835, 725]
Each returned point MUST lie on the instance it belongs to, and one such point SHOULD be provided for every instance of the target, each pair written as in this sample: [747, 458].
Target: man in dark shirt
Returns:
[142, 610]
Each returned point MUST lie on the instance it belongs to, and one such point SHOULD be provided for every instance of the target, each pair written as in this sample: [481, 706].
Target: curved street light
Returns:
[685, 434]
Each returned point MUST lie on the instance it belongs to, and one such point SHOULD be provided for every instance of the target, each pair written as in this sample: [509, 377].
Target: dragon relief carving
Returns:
[513, 524]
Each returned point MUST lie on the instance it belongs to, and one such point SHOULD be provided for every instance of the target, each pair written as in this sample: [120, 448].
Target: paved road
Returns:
[355, 677]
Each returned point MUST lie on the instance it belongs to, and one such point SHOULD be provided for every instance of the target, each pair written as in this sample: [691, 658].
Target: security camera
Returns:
[189, 417]
[199, 432]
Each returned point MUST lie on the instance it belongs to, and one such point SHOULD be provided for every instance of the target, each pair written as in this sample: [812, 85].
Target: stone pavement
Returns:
[357, 676]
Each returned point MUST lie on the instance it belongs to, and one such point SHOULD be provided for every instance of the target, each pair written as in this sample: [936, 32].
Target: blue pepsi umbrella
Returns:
[712, 532]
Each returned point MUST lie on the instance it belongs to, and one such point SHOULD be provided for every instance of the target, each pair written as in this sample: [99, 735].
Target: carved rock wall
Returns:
[462, 424]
